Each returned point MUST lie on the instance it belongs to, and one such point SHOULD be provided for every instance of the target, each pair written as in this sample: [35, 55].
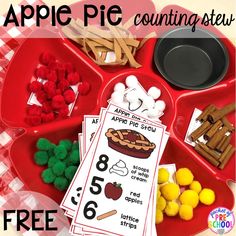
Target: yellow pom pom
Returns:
[189, 197]
[158, 194]
[159, 216]
[163, 175]
[170, 191]
[184, 176]
[161, 203]
[186, 212]
[207, 196]
[195, 186]
[172, 208]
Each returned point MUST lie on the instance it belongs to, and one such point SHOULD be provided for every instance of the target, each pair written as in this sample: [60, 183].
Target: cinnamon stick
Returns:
[207, 156]
[223, 155]
[218, 114]
[212, 130]
[209, 109]
[226, 155]
[221, 143]
[226, 123]
[224, 144]
[211, 152]
[200, 131]
[215, 140]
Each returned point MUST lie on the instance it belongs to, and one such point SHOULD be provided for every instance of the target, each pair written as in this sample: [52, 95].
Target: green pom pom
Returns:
[41, 158]
[70, 172]
[74, 157]
[44, 144]
[66, 143]
[61, 183]
[52, 161]
[75, 146]
[60, 152]
[48, 176]
[67, 162]
[51, 151]
[59, 168]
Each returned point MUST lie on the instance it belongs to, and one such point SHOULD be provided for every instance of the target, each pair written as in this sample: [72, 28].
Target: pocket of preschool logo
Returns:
[221, 220]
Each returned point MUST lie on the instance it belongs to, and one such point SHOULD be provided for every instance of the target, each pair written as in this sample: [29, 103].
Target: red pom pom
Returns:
[41, 96]
[74, 78]
[58, 92]
[48, 117]
[42, 72]
[60, 65]
[46, 58]
[52, 65]
[63, 85]
[61, 73]
[69, 96]
[84, 88]
[33, 120]
[69, 67]
[47, 107]
[58, 102]
[63, 113]
[50, 88]
[35, 86]
[34, 110]
[52, 76]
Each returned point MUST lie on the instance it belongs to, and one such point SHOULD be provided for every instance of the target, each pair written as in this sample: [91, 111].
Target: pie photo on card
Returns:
[130, 142]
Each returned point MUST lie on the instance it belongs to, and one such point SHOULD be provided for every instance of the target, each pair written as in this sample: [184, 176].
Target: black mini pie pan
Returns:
[191, 60]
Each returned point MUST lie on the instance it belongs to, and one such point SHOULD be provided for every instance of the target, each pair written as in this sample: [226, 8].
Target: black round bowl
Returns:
[191, 60]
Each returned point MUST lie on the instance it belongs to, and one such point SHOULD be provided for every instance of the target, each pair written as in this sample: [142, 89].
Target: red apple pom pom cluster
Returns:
[54, 93]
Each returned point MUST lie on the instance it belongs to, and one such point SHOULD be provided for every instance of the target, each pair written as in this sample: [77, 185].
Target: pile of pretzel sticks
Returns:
[100, 43]
[217, 132]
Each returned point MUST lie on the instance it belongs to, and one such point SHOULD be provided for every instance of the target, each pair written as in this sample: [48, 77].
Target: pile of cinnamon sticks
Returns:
[217, 132]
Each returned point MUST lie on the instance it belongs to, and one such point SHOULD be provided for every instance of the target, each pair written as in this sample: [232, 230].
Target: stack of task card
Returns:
[114, 189]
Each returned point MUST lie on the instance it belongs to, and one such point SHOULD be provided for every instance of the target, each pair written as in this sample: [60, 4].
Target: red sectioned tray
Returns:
[180, 105]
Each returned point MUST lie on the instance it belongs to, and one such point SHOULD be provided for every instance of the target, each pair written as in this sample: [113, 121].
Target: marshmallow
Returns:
[160, 105]
[119, 87]
[149, 102]
[131, 81]
[154, 92]
[152, 112]
[132, 97]
[117, 97]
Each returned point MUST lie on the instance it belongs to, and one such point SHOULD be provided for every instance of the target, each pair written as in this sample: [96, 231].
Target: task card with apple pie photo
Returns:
[120, 199]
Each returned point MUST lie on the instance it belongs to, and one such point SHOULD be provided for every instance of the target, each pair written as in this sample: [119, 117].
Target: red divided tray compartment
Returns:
[180, 105]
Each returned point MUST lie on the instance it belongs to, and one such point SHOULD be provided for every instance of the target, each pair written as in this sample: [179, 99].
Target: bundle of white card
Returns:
[114, 192]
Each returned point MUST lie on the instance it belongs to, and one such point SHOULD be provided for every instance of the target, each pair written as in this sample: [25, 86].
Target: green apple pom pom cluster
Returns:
[62, 161]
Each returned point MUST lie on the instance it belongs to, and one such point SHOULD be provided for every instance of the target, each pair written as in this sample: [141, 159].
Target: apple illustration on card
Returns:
[113, 191]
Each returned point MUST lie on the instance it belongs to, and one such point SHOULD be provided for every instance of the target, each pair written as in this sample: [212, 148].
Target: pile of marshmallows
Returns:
[144, 103]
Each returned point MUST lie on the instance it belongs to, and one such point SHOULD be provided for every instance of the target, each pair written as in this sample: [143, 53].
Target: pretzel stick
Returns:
[117, 50]
[125, 48]
[70, 34]
[107, 214]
